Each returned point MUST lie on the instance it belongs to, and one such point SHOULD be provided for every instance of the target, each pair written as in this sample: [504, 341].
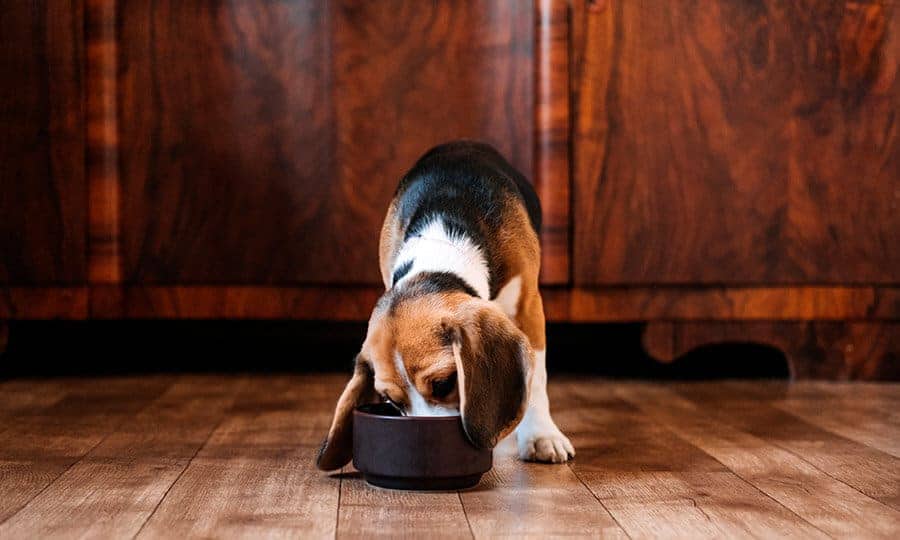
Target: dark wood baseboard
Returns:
[44, 303]
[345, 303]
[814, 349]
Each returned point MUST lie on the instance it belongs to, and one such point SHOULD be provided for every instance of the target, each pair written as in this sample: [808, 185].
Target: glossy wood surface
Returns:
[560, 305]
[203, 456]
[264, 141]
[44, 303]
[101, 161]
[552, 131]
[577, 305]
[732, 142]
[42, 183]
[814, 349]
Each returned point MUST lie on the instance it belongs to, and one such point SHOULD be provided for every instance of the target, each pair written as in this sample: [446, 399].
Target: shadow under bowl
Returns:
[415, 452]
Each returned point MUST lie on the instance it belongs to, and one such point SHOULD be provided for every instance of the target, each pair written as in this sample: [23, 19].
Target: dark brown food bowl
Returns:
[415, 452]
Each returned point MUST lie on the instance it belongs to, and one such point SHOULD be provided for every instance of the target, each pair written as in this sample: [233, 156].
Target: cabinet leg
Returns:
[814, 349]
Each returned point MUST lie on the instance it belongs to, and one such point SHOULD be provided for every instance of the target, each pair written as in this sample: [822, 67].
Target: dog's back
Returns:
[475, 193]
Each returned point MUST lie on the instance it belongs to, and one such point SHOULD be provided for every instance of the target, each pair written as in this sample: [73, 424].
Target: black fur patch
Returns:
[431, 283]
[401, 271]
[465, 184]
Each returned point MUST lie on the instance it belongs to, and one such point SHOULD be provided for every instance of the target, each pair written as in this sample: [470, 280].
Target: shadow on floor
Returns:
[47, 348]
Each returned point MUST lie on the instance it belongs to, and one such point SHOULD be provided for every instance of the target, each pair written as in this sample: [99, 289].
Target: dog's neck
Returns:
[434, 250]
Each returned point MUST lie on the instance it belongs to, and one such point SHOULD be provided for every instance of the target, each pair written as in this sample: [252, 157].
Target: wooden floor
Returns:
[222, 456]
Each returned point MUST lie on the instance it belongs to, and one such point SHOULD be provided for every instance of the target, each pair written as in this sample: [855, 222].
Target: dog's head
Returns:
[435, 352]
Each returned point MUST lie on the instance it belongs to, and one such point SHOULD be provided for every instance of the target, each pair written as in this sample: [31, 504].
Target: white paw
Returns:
[544, 443]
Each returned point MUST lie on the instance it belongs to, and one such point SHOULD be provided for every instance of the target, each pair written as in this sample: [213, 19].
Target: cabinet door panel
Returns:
[262, 141]
[736, 142]
[42, 188]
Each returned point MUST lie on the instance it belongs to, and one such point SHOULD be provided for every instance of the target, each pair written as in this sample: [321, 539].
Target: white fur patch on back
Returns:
[508, 297]
[418, 405]
[433, 250]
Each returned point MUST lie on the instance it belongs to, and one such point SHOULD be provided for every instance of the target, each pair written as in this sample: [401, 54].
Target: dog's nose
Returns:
[392, 403]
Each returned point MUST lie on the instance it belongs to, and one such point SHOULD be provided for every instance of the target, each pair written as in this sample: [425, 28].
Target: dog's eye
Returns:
[441, 388]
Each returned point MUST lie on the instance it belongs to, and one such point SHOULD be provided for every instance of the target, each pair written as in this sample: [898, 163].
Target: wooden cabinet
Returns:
[260, 142]
[42, 184]
[723, 170]
[737, 143]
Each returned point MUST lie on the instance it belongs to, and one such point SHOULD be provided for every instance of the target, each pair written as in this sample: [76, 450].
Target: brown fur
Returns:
[389, 244]
[492, 395]
[337, 448]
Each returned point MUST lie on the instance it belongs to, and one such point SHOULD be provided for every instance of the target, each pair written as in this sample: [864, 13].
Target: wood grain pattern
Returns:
[656, 485]
[752, 408]
[828, 504]
[104, 252]
[130, 470]
[311, 303]
[814, 349]
[467, 71]
[265, 141]
[730, 303]
[368, 511]
[43, 303]
[241, 484]
[227, 156]
[737, 143]
[41, 442]
[516, 499]
[42, 229]
[843, 420]
[214, 456]
[552, 134]
[580, 305]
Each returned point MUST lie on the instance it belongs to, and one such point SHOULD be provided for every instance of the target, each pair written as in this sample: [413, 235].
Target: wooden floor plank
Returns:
[43, 441]
[221, 456]
[19, 397]
[748, 408]
[830, 505]
[113, 489]
[518, 499]
[255, 475]
[869, 422]
[368, 512]
[655, 484]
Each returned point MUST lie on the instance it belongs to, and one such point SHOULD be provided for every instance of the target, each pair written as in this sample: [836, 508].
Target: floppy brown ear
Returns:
[337, 449]
[493, 366]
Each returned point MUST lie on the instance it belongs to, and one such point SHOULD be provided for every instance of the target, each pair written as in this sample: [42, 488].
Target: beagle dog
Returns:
[460, 328]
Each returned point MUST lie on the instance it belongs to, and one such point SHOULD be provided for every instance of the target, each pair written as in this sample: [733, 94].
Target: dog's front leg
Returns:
[537, 436]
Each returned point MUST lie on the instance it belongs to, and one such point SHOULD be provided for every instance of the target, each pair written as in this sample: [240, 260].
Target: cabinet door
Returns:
[43, 195]
[737, 142]
[261, 142]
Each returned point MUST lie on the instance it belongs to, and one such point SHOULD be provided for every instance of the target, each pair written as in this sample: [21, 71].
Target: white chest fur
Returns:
[433, 250]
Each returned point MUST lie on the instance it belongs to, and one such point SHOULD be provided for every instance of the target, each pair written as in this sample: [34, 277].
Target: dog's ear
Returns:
[493, 365]
[337, 449]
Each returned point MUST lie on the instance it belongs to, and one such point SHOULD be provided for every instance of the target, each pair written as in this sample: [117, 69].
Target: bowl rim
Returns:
[445, 418]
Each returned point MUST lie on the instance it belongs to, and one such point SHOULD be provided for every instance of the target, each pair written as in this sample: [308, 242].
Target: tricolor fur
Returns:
[460, 327]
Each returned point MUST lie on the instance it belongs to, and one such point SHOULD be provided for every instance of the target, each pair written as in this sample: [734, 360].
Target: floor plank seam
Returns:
[82, 457]
[714, 458]
[465, 514]
[337, 516]
[800, 456]
[599, 501]
[177, 478]
[236, 391]
[838, 480]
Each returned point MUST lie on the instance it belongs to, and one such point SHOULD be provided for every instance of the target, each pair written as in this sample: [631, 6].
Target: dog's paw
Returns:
[544, 443]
